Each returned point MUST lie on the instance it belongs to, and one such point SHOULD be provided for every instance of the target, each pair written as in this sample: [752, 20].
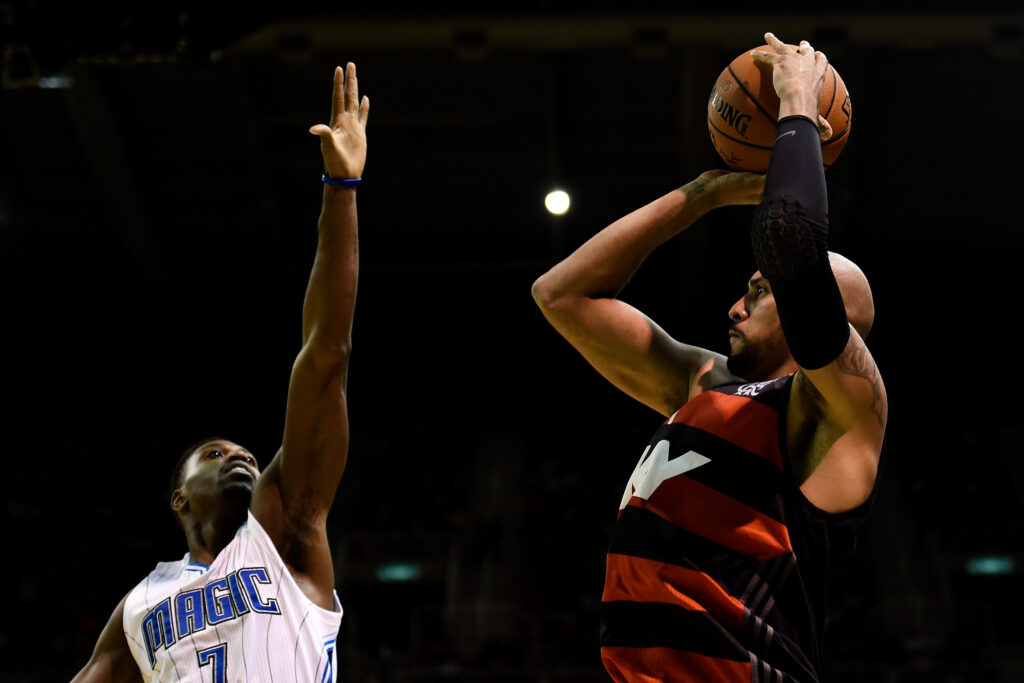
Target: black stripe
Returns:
[654, 624]
[774, 393]
[769, 605]
[762, 594]
[755, 580]
[642, 533]
[836, 137]
[761, 486]
[758, 633]
[634, 624]
[773, 568]
[768, 582]
[748, 143]
[749, 628]
[835, 89]
[753, 99]
[761, 670]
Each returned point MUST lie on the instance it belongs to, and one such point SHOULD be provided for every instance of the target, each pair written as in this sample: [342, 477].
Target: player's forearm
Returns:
[790, 241]
[111, 660]
[603, 265]
[331, 292]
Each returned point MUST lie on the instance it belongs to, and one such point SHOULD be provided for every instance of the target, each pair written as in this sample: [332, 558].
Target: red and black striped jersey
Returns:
[717, 565]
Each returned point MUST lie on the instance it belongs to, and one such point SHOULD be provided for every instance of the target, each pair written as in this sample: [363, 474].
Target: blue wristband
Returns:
[344, 182]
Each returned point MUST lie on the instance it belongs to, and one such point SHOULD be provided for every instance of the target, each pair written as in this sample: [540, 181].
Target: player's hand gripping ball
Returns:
[743, 111]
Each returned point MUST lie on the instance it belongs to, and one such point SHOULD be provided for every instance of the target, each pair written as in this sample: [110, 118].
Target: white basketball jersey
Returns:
[243, 618]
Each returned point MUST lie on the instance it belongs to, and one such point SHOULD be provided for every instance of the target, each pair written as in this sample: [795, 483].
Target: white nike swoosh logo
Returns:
[788, 132]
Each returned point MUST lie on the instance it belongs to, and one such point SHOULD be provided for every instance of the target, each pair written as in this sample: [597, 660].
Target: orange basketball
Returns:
[743, 111]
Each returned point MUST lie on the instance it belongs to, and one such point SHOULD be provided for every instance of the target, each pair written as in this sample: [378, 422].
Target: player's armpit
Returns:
[836, 426]
[111, 660]
[298, 528]
[851, 388]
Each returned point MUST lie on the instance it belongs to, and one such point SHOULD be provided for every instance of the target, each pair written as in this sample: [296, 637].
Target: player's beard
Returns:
[239, 492]
[744, 362]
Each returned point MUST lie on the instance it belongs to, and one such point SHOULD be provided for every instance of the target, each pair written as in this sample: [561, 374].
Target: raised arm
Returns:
[295, 492]
[578, 296]
[823, 303]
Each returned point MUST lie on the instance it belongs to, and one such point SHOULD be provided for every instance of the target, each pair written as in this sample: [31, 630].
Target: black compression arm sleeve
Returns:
[796, 168]
[790, 241]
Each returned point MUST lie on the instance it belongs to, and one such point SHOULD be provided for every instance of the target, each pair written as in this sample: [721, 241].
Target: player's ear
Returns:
[178, 499]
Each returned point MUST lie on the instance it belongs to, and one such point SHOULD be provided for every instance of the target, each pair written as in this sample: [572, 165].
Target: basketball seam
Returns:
[752, 98]
[835, 89]
[745, 143]
[836, 138]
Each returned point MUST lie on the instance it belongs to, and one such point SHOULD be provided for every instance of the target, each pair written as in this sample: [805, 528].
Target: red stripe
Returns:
[665, 665]
[713, 515]
[637, 579]
[736, 419]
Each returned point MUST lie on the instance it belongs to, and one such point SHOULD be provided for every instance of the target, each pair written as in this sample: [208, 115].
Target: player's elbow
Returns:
[541, 292]
[564, 310]
[328, 356]
[547, 295]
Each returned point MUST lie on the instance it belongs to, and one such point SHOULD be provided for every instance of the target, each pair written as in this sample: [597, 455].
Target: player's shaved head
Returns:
[856, 293]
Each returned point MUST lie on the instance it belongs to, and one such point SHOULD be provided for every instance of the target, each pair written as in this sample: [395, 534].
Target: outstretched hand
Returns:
[343, 143]
[728, 188]
[798, 75]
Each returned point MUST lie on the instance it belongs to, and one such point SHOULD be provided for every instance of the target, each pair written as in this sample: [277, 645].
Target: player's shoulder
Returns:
[710, 371]
[171, 569]
[163, 573]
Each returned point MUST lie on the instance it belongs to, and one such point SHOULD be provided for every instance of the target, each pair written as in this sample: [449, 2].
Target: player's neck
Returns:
[787, 368]
[207, 537]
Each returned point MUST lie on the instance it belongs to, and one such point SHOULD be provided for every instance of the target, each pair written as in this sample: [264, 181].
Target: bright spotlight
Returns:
[557, 202]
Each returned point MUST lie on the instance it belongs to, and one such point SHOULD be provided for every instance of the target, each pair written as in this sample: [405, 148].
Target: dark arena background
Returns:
[158, 205]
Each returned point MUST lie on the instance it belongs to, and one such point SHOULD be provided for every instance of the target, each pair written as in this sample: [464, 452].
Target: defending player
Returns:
[766, 465]
[254, 599]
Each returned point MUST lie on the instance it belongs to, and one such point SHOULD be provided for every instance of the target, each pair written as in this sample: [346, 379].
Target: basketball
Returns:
[743, 111]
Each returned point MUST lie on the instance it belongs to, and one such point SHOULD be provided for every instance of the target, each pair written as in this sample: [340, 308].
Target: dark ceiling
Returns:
[158, 202]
